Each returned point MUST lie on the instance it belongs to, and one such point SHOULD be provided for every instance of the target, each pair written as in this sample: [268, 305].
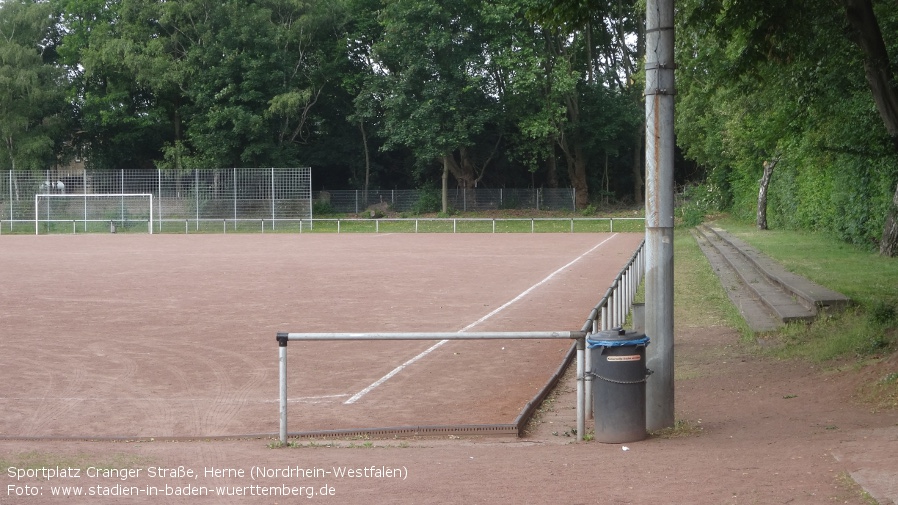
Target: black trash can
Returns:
[618, 385]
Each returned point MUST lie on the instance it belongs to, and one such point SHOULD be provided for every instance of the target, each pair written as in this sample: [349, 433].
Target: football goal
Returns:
[70, 213]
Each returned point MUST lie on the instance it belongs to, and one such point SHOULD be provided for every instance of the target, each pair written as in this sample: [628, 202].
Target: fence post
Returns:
[272, 202]
[282, 376]
[196, 195]
[581, 389]
[235, 197]
[159, 198]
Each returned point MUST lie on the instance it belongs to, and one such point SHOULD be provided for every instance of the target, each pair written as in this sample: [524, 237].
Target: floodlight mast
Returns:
[659, 156]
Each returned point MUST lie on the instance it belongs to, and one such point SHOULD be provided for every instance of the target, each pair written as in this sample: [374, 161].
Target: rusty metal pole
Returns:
[659, 147]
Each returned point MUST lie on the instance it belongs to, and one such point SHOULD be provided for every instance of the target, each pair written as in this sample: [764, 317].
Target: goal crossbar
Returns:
[84, 214]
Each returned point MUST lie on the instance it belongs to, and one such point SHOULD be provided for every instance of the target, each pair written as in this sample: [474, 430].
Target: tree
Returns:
[360, 87]
[883, 82]
[594, 41]
[769, 166]
[431, 57]
[31, 98]
[793, 60]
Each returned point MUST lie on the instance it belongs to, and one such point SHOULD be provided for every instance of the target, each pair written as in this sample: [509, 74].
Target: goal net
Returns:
[64, 213]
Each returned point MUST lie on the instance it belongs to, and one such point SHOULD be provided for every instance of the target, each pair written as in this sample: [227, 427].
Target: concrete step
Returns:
[808, 293]
[784, 305]
[755, 312]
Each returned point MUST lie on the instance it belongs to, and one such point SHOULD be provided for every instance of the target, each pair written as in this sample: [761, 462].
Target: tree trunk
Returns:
[552, 166]
[639, 167]
[762, 192]
[606, 182]
[888, 246]
[367, 160]
[577, 173]
[445, 184]
[367, 155]
[882, 81]
[576, 170]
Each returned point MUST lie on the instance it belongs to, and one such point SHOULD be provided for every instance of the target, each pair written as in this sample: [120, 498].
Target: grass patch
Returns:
[868, 328]
[699, 299]
[852, 489]
[849, 334]
[864, 333]
[861, 275]
[881, 394]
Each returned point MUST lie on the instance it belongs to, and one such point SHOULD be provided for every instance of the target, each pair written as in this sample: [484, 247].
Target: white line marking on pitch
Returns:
[356, 397]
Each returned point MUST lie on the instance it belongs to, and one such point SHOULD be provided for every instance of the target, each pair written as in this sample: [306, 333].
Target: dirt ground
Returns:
[752, 430]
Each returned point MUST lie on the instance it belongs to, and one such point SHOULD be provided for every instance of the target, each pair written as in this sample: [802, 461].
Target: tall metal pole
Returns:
[659, 147]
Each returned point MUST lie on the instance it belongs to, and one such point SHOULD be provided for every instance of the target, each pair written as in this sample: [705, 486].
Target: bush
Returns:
[698, 202]
[883, 313]
[322, 208]
[430, 200]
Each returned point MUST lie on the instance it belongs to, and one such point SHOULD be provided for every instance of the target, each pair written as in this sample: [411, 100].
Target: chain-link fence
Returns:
[464, 200]
[236, 194]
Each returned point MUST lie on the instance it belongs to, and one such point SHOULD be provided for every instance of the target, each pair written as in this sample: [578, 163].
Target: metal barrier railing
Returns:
[609, 313]
[353, 225]
[283, 338]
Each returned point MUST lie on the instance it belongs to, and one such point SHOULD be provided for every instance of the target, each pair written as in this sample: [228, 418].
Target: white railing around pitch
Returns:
[610, 312]
[405, 225]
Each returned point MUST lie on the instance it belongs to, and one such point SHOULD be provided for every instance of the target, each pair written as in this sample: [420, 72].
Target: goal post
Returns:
[125, 211]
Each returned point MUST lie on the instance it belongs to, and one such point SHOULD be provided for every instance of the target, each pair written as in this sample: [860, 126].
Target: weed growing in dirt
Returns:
[681, 428]
[853, 488]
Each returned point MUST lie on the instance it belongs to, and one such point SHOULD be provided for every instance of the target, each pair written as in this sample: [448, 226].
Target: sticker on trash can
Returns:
[632, 357]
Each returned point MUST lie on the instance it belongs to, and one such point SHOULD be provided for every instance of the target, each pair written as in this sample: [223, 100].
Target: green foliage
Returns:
[31, 94]
[782, 79]
[509, 93]
[322, 208]
[698, 202]
[431, 200]
[883, 313]
[868, 328]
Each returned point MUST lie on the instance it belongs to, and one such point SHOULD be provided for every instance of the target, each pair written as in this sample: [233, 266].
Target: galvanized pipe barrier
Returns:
[283, 338]
[609, 313]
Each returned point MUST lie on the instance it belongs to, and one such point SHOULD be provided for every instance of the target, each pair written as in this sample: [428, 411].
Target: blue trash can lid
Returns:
[616, 338]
